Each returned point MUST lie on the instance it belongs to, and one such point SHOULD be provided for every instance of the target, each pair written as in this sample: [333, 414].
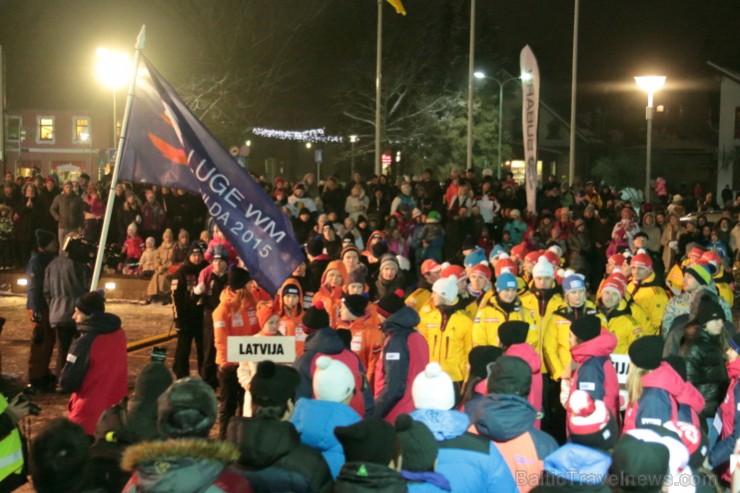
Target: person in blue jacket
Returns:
[470, 462]
[315, 419]
[419, 452]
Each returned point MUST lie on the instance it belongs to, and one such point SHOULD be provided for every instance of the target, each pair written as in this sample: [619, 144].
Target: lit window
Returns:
[45, 129]
[82, 129]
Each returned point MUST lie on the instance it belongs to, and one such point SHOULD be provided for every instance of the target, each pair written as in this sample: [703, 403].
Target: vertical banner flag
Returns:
[167, 145]
[398, 6]
[530, 113]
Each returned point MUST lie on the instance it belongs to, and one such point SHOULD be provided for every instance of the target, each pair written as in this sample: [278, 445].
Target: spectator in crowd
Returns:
[68, 211]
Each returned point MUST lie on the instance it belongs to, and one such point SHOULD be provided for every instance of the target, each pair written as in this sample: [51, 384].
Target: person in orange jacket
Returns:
[330, 291]
[364, 325]
[235, 315]
[289, 308]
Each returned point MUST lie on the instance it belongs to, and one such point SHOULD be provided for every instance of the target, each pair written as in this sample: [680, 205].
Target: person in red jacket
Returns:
[96, 372]
[690, 401]
[729, 414]
[367, 339]
[590, 347]
[405, 354]
[512, 336]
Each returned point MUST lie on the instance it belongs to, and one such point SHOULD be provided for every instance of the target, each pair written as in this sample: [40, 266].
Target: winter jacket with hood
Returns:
[291, 320]
[574, 467]
[188, 313]
[236, 315]
[35, 300]
[449, 334]
[652, 297]
[541, 303]
[365, 477]
[326, 342]
[185, 466]
[729, 412]
[315, 422]
[367, 341]
[621, 322]
[508, 420]
[705, 367]
[658, 402]
[471, 463]
[65, 280]
[274, 459]
[96, 372]
[557, 336]
[690, 404]
[331, 297]
[405, 354]
[595, 373]
[528, 354]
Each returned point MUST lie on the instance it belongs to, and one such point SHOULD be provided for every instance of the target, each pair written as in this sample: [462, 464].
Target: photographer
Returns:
[66, 279]
[12, 472]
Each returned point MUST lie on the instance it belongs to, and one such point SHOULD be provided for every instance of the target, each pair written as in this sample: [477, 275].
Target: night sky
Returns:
[49, 45]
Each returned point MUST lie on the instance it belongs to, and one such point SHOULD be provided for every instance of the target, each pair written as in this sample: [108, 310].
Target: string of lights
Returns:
[311, 135]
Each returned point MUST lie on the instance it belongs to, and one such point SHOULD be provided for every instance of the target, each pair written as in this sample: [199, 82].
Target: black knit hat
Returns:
[355, 303]
[315, 246]
[238, 278]
[196, 247]
[379, 249]
[635, 462]
[345, 335]
[60, 457]
[153, 380]
[370, 440]
[480, 357]
[678, 364]
[646, 352]
[513, 332]
[273, 385]
[510, 375]
[708, 310]
[91, 302]
[187, 409]
[418, 447]
[390, 303]
[44, 238]
[315, 317]
[586, 328]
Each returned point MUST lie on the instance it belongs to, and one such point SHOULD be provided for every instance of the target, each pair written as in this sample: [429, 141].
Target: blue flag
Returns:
[167, 145]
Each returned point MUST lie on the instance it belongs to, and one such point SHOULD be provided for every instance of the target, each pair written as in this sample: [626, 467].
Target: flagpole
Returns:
[378, 85]
[574, 85]
[471, 68]
[140, 40]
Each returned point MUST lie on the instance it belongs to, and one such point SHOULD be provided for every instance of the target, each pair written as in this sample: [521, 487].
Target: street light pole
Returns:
[115, 119]
[352, 140]
[471, 62]
[649, 84]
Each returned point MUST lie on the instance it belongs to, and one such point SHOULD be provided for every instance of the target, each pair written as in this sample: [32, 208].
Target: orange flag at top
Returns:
[398, 6]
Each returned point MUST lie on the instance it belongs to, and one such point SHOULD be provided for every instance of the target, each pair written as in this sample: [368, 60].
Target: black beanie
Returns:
[187, 409]
[238, 278]
[379, 249]
[273, 385]
[510, 375]
[153, 380]
[315, 318]
[356, 304]
[418, 447]
[370, 440]
[345, 335]
[513, 332]
[646, 352]
[315, 246]
[59, 457]
[44, 238]
[709, 309]
[482, 356]
[637, 463]
[91, 302]
[586, 328]
[678, 364]
[390, 303]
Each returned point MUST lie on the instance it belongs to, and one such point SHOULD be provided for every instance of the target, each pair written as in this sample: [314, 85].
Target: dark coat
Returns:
[360, 477]
[705, 367]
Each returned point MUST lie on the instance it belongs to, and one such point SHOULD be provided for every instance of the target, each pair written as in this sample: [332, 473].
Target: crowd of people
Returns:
[445, 340]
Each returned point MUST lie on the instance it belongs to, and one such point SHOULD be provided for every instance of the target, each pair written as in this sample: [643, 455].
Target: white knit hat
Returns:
[543, 268]
[433, 389]
[446, 287]
[332, 381]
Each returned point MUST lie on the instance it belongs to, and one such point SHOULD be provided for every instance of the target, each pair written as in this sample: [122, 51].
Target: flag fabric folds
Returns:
[530, 116]
[167, 145]
[398, 6]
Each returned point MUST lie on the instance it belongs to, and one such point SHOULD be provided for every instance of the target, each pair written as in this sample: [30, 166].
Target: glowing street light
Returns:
[352, 140]
[649, 84]
[114, 70]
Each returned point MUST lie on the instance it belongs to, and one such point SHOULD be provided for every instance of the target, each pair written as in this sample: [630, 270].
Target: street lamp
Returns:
[114, 70]
[352, 140]
[501, 84]
[649, 84]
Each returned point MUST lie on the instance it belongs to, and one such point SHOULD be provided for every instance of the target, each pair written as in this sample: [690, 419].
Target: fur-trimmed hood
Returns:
[177, 465]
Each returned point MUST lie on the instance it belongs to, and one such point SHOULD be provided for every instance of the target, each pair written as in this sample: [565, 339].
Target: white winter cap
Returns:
[446, 287]
[433, 389]
[332, 381]
[543, 268]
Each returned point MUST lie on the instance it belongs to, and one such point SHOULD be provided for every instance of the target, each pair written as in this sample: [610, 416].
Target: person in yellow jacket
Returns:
[541, 301]
[504, 306]
[619, 318]
[556, 344]
[647, 292]
[722, 278]
[479, 285]
[448, 329]
[674, 279]
[430, 271]
[12, 474]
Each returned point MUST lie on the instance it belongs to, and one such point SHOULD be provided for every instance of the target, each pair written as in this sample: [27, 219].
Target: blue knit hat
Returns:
[506, 281]
[573, 282]
[475, 257]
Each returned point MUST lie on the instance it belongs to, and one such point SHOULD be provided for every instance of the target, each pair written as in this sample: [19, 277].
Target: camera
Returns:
[159, 354]
[25, 396]
[83, 250]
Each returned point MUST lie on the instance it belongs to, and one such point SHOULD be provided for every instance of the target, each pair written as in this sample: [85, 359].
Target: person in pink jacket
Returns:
[512, 337]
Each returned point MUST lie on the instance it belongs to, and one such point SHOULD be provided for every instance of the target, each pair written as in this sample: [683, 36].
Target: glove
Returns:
[199, 289]
[673, 245]
[38, 335]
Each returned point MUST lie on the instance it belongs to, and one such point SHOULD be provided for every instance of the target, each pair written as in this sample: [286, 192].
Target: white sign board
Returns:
[622, 365]
[280, 349]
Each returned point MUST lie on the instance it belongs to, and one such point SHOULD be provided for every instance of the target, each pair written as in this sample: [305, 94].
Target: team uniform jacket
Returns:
[595, 373]
[491, 315]
[291, 321]
[729, 412]
[621, 323]
[690, 404]
[449, 334]
[652, 297]
[233, 317]
[419, 297]
[367, 341]
[557, 334]
[541, 304]
[658, 402]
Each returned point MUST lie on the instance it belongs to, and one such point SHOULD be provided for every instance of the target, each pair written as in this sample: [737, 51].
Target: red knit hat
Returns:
[553, 258]
[642, 260]
[532, 256]
[430, 265]
[615, 284]
[505, 264]
[617, 260]
[520, 251]
[590, 423]
[481, 269]
[454, 270]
